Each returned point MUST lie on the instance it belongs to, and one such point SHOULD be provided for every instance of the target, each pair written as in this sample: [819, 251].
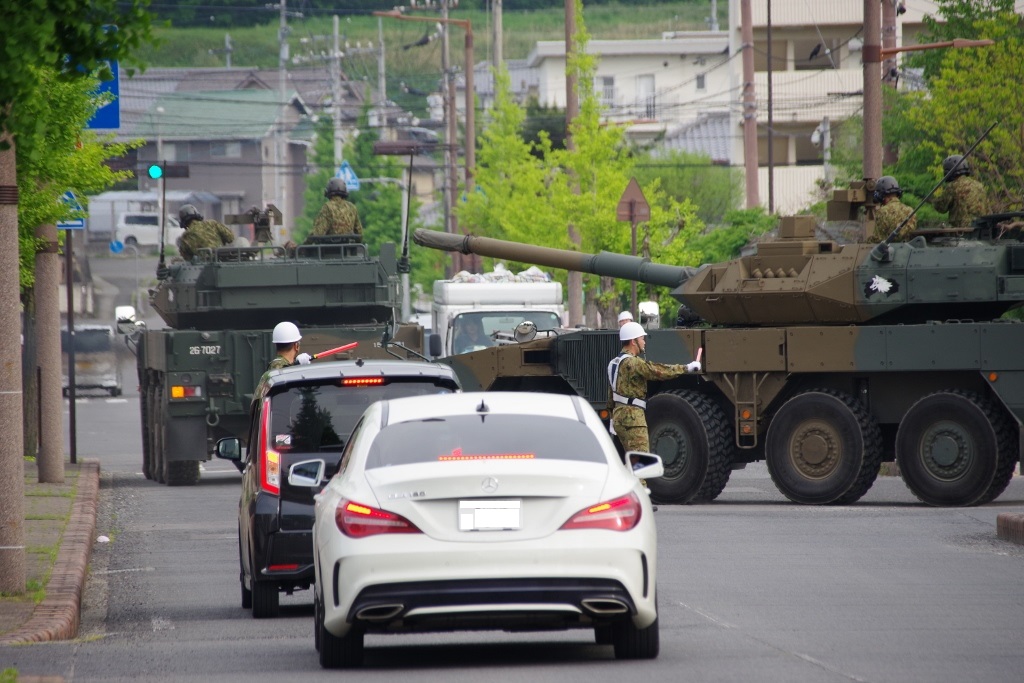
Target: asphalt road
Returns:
[751, 587]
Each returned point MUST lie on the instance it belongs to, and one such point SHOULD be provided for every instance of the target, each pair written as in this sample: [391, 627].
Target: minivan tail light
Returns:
[356, 520]
[270, 460]
[621, 514]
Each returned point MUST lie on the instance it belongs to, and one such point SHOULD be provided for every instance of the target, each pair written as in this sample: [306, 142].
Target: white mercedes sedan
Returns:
[497, 511]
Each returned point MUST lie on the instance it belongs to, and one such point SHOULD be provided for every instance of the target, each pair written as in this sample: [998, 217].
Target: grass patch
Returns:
[9, 676]
[49, 494]
[42, 517]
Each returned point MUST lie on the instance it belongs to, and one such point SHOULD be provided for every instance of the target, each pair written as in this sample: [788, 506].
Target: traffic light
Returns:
[165, 170]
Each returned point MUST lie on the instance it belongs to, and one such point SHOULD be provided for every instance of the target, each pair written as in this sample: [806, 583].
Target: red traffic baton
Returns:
[339, 349]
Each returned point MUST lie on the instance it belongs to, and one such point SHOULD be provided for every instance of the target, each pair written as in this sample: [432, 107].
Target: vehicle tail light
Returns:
[358, 521]
[362, 381]
[621, 514]
[184, 391]
[270, 460]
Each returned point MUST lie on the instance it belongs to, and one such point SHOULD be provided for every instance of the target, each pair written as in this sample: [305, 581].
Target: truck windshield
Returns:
[473, 331]
[88, 340]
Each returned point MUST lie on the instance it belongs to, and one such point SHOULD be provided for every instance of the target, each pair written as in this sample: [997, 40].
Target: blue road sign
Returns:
[346, 173]
[116, 246]
[108, 116]
[71, 200]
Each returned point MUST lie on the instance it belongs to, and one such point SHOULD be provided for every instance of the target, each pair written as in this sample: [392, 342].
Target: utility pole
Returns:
[336, 95]
[499, 57]
[872, 57]
[771, 119]
[382, 83]
[574, 280]
[750, 152]
[280, 191]
[452, 184]
[889, 153]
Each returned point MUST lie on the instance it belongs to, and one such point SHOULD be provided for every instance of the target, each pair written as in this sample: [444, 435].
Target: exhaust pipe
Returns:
[380, 612]
[605, 606]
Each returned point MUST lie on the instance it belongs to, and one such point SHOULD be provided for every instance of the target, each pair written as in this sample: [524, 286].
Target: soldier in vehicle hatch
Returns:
[338, 216]
[627, 376]
[200, 233]
[891, 212]
[963, 197]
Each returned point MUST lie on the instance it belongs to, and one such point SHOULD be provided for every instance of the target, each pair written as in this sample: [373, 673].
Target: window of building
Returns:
[645, 97]
[701, 82]
[226, 150]
[605, 87]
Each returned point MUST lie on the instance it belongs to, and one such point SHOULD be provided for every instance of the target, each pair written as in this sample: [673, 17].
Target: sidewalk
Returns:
[60, 526]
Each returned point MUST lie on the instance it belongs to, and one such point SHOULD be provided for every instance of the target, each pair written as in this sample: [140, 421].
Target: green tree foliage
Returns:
[531, 192]
[954, 19]
[57, 154]
[714, 190]
[973, 89]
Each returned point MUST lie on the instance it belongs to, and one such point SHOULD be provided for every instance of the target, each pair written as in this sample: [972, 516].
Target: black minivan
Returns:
[299, 422]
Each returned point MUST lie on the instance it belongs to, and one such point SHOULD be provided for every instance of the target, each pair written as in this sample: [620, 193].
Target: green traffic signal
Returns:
[156, 171]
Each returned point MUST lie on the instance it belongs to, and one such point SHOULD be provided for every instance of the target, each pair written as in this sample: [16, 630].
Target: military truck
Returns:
[196, 378]
[824, 360]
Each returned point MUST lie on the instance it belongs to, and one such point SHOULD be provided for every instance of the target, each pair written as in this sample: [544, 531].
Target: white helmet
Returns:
[631, 331]
[625, 315]
[286, 333]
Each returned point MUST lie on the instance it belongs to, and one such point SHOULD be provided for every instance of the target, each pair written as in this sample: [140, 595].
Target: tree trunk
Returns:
[12, 460]
[47, 324]
[29, 372]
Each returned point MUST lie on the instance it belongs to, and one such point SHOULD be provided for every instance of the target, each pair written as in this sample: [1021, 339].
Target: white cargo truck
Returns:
[470, 310]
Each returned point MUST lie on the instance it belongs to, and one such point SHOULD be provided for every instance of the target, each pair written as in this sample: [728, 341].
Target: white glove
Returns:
[693, 367]
[305, 358]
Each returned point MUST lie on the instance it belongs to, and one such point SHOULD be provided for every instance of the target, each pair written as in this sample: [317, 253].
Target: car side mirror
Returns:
[307, 474]
[646, 465]
[434, 345]
[229, 448]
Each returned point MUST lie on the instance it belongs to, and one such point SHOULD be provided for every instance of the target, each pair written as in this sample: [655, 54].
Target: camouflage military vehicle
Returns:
[822, 359]
[196, 378]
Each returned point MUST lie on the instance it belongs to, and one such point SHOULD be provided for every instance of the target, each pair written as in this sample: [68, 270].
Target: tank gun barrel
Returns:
[603, 263]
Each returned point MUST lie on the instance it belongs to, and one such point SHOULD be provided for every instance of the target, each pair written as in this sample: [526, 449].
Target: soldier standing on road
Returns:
[628, 375]
[286, 339]
[963, 197]
[892, 211]
[338, 216]
[199, 233]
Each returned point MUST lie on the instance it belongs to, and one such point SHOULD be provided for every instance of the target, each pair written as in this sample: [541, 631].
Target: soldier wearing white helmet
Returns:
[625, 317]
[628, 375]
[286, 340]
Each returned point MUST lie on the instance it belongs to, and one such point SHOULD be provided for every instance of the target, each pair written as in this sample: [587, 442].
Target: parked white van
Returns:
[142, 229]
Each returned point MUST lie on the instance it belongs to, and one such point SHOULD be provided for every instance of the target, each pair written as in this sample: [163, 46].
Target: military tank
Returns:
[824, 360]
[197, 376]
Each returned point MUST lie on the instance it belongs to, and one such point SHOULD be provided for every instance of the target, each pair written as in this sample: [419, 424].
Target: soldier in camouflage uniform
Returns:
[286, 338]
[338, 216]
[892, 211]
[628, 375]
[963, 197]
[199, 233]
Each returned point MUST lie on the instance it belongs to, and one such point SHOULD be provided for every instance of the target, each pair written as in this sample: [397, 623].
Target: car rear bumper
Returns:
[509, 588]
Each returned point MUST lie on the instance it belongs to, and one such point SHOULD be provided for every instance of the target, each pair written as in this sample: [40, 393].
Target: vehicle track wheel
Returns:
[147, 446]
[956, 448]
[157, 456]
[339, 653]
[694, 438]
[823, 447]
[266, 600]
[631, 642]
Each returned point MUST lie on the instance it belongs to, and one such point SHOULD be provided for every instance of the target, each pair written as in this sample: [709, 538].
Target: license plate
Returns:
[490, 515]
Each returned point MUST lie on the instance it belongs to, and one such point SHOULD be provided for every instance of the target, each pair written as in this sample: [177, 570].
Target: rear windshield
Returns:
[484, 437]
[314, 417]
[87, 341]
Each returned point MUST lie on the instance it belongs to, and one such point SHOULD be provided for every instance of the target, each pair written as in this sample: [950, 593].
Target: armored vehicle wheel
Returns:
[694, 439]
[157, 457]
[181, 472]
[823, 447]
[956, 448]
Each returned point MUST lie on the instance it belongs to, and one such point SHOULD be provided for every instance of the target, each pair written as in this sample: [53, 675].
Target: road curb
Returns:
[57, 616]
[1010, 527]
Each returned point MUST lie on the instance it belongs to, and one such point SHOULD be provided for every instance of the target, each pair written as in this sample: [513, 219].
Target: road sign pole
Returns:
[69, 277]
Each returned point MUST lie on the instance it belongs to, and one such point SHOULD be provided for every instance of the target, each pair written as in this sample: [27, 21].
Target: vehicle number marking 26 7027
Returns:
[205, 350]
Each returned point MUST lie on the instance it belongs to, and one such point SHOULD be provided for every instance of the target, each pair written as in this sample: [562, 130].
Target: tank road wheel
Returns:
[823, 447]
[694, 439]
[956, 448]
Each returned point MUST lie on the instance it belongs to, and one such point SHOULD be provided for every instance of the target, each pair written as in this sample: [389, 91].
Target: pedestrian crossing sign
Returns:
[346, 173]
